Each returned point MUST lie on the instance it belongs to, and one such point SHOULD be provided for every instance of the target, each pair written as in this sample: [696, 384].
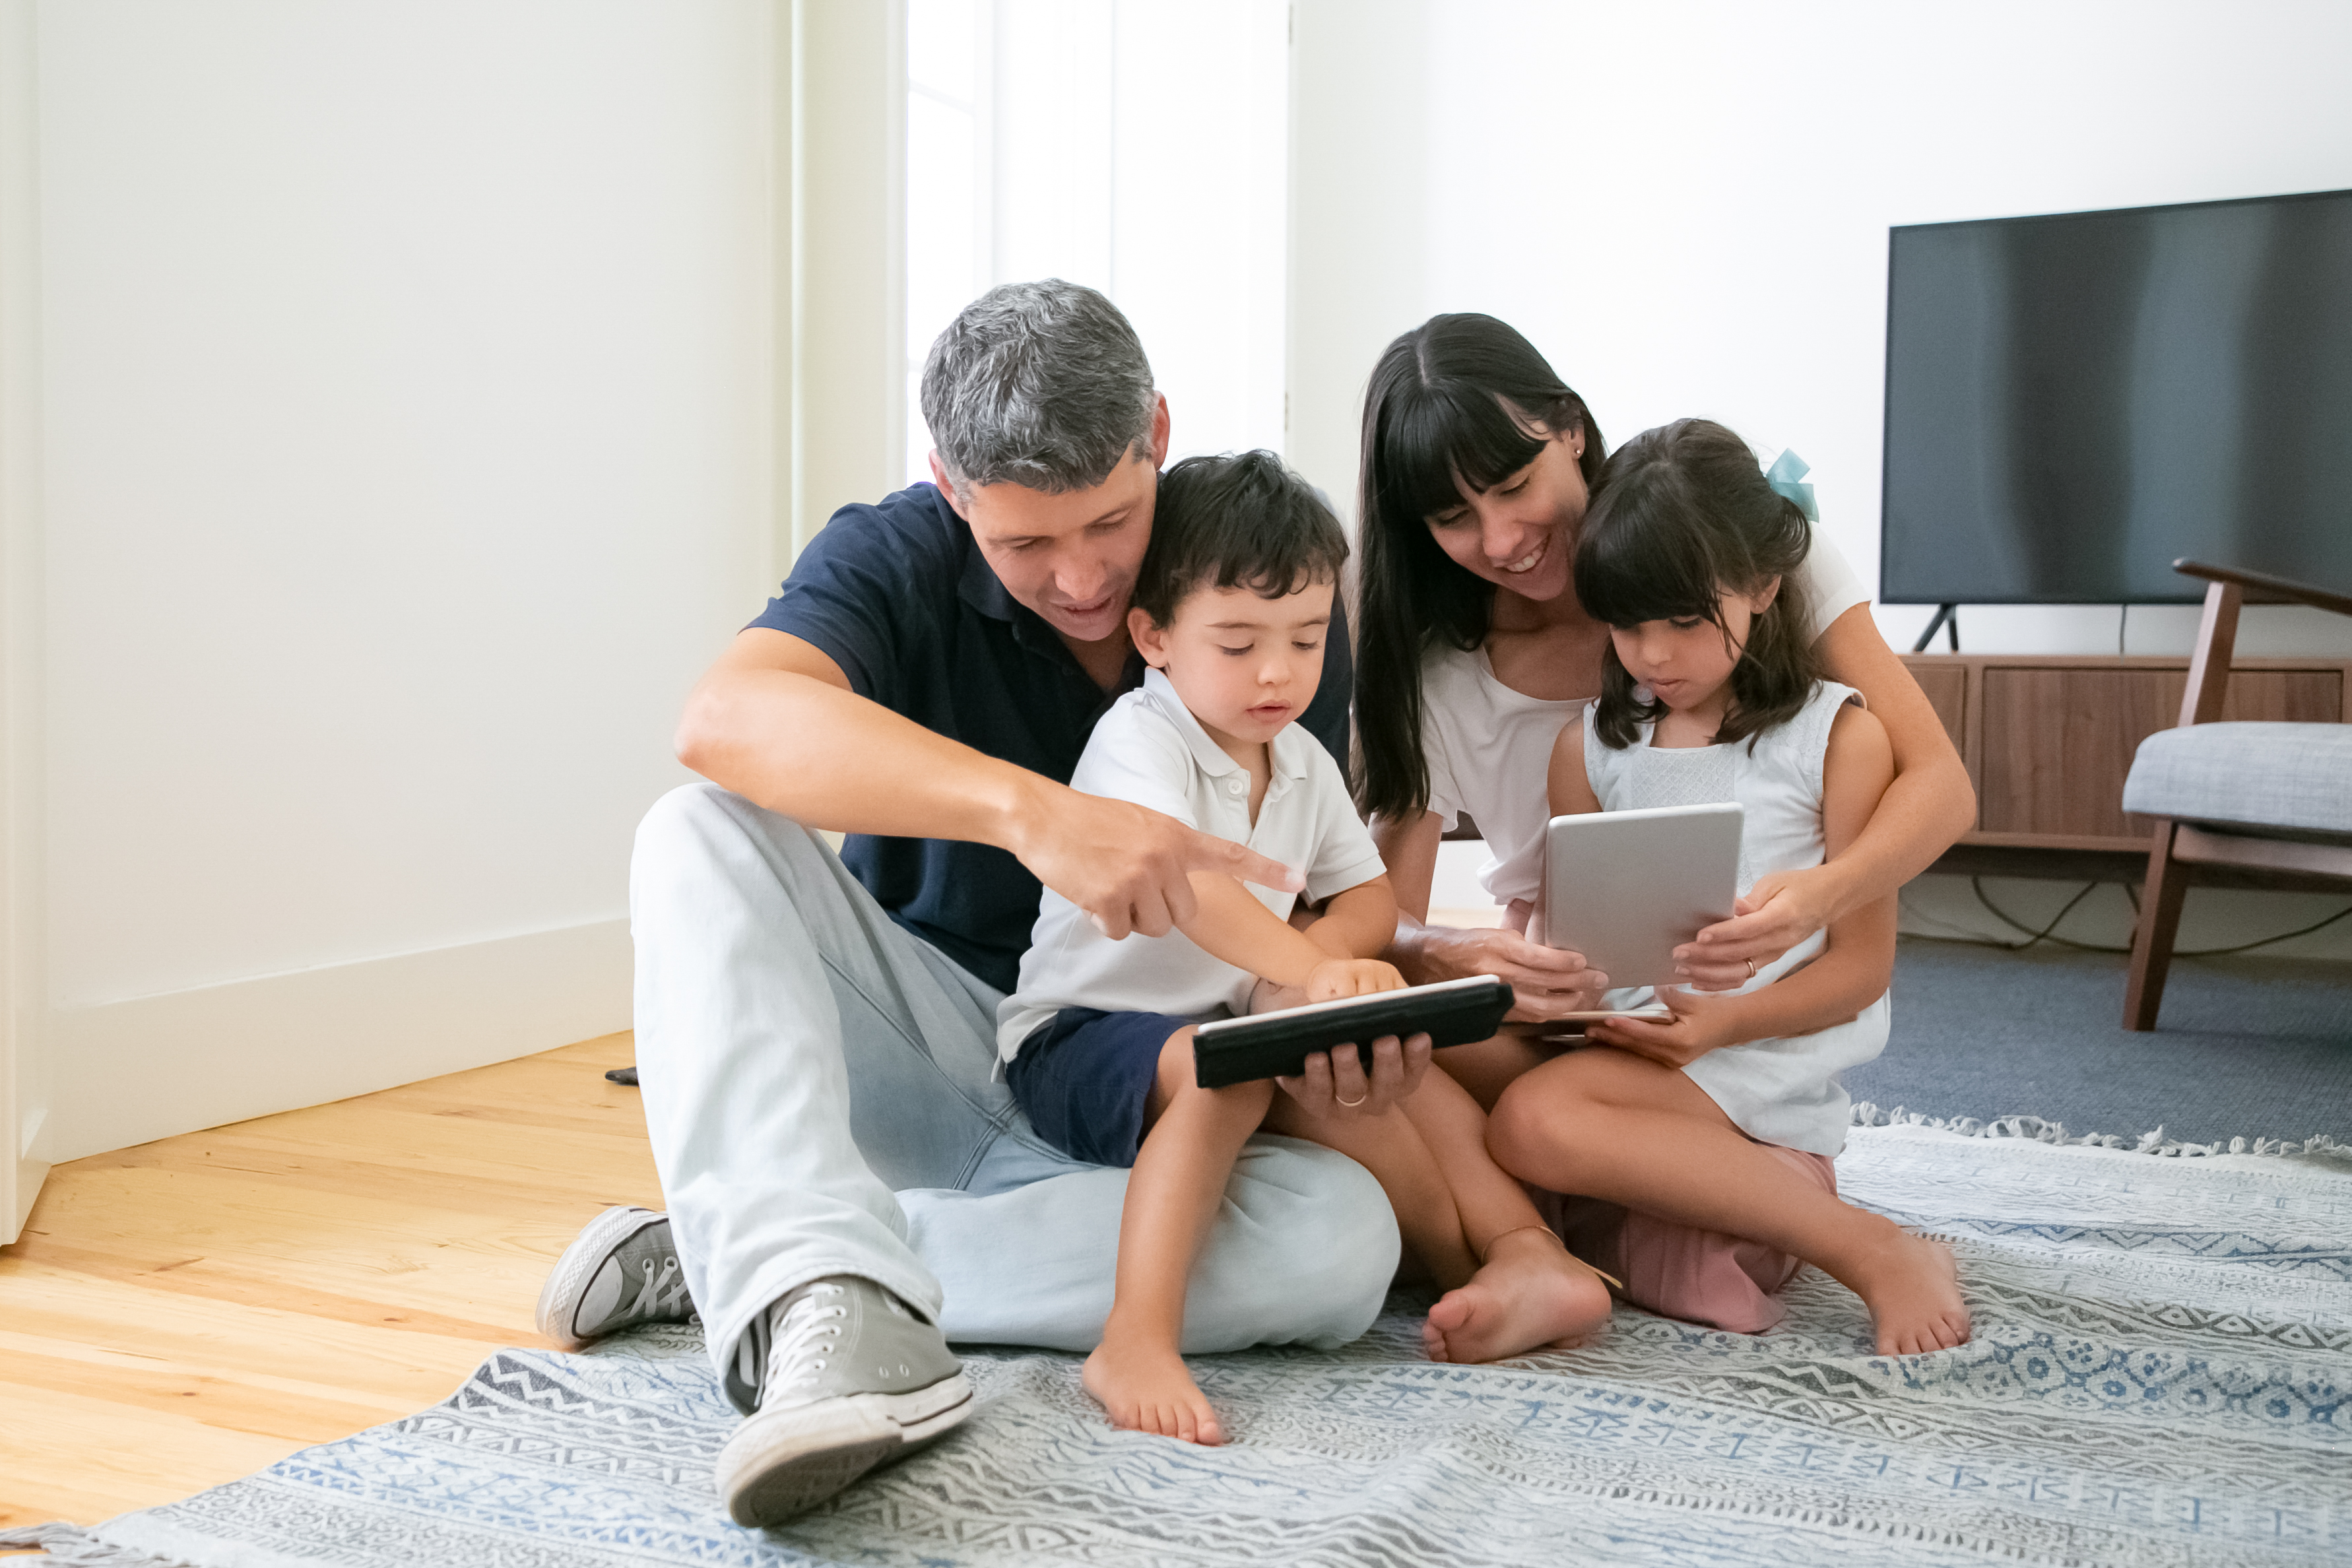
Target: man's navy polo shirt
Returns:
[901, 597]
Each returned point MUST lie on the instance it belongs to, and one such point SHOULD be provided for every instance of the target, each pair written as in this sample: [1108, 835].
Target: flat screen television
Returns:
[2073, 401]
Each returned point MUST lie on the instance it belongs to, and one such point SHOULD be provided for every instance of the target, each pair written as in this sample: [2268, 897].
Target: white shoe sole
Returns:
[558, 1299]
[781, 1462]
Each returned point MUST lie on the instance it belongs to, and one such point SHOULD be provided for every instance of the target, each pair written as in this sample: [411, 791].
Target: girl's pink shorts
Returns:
[1678, 1271]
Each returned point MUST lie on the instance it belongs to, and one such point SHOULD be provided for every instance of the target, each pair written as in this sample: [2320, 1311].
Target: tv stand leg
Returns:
[1948, 620]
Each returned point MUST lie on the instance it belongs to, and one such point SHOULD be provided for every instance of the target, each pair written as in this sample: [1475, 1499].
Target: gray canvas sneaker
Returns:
[853, 1379]
[621, 1270]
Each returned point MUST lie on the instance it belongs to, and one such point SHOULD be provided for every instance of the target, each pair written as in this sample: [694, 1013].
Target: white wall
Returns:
[405, 432]
[1685, 207]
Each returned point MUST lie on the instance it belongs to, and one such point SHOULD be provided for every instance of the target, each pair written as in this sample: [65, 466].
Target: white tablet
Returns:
[1626, 887]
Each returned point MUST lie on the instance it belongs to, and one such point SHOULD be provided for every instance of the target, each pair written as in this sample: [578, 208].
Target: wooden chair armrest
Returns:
[2264, 588]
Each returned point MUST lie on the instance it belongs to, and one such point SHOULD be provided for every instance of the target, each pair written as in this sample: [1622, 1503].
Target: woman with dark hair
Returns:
[1473, 653]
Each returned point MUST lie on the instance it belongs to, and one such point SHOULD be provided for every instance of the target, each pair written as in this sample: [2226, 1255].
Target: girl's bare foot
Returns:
[1529, 1292]
[1913, 1292]
[1145, 1387]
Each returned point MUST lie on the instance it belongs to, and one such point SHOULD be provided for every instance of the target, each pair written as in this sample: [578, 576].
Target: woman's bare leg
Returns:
[1527, 1290]
[1194, 1136]
[1390, 1149]
[1489, 1066]
[1609, 1125]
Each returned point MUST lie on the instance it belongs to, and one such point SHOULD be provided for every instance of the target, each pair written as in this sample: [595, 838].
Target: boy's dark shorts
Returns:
[1085, 1079]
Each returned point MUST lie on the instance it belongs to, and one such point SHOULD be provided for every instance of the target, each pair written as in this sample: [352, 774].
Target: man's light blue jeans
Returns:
[802, 1056]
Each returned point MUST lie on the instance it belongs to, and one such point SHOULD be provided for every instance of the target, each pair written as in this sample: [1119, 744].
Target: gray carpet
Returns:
[2254, 1048]
[2159, 1377]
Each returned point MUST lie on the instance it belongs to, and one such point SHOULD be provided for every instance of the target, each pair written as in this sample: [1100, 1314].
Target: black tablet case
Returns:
[1276, 1044]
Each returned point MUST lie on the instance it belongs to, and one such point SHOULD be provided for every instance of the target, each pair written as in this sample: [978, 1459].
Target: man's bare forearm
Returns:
[1410, 946]
[828, 758]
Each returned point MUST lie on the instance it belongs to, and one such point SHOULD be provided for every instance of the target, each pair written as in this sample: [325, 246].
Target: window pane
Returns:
[942, 41]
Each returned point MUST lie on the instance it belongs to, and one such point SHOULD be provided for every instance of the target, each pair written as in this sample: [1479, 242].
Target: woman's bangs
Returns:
[1446, 431]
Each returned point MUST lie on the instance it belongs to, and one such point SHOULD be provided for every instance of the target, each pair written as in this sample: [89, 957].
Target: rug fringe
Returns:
[70, 1543]
[2040, 1131]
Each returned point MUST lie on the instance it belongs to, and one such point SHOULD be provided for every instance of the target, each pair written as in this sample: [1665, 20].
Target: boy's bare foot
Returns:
[1147, 1388]
[1913, 1292]
[1528, 1293]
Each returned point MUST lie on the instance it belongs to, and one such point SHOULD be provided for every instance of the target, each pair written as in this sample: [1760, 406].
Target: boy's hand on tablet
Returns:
[1336, 1085]
[1700, 1024]
[1341, 977]
[1266, 996]
[1781, 910]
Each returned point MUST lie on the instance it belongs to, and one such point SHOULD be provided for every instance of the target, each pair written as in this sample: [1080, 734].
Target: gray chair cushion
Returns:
[2255, 775]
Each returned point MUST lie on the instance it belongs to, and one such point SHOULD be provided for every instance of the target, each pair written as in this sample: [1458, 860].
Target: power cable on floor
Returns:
[1976, 884]
[2032, 936]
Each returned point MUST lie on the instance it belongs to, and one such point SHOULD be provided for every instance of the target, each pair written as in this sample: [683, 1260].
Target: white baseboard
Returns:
[30, 1174]
[133, 1071]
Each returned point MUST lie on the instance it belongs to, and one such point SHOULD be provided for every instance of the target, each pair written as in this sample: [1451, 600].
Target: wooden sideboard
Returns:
[2048, 739]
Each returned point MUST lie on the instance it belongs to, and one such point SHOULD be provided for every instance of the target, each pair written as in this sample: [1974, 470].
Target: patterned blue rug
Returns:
[2161, 1375]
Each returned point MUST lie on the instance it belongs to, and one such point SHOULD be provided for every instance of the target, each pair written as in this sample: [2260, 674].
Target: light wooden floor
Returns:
[185, 1312]
[188, 1311]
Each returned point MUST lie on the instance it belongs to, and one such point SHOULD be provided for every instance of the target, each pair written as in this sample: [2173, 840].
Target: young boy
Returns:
[1231, 607]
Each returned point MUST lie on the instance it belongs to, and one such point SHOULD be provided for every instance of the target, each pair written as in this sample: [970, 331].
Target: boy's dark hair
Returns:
[1240, 520]
[1683, 512]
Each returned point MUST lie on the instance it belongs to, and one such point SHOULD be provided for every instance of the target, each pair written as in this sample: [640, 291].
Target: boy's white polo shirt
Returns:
[1149, 749]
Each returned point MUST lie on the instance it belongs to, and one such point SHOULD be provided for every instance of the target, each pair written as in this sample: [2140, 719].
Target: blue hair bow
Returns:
[1783, 475]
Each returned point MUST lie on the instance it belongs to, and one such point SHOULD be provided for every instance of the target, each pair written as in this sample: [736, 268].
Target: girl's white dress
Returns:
[1784, 1090]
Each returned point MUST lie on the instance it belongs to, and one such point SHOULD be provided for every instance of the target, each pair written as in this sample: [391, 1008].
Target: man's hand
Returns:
[1700, 1024]
[1781, 910]
[1546, 981]
[1335, 1085]
[1130, 867]
[1342, 978]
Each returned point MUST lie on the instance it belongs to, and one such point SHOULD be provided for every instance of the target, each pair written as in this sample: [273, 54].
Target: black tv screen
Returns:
[2074, 401]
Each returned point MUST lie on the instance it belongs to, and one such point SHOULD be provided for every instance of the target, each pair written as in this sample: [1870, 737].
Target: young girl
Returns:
[1726, 1117]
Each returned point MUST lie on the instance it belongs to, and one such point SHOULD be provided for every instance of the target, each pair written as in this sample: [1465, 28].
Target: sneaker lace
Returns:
[808, 1335]
[662, 1294]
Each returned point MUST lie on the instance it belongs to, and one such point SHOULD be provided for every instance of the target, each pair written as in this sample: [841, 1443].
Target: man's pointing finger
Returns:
[1213, 854]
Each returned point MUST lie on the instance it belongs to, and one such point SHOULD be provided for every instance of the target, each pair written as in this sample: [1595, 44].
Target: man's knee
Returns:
[698, 813]
[700, 827]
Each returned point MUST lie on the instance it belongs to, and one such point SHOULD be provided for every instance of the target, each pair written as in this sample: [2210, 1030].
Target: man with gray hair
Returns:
[849, 1184]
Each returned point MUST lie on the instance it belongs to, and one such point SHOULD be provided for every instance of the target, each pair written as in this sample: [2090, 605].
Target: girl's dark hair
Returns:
[1683, 513]
[1459, 396]
[1235, 521]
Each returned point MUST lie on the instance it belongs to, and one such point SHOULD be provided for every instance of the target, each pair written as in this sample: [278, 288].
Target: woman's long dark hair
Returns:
[1681, 514]
[1458, 395]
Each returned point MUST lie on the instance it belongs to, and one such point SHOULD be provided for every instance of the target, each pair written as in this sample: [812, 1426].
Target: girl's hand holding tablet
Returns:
[1781, 910]
[1700, 1024]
